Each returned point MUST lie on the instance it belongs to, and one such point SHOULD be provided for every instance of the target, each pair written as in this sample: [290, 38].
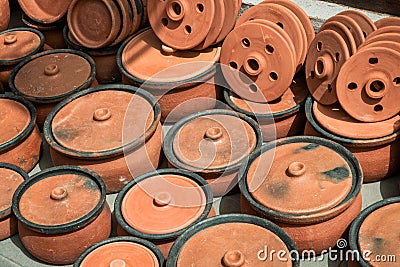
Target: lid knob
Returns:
[296, 168]
[175, 10]
[59, 193]
[118, 263]
[323, 66]
[51, 70]
[376, 88]
[10, 39]
[213, 133]
[102, 114]
[162, 199]
[233, 258]
[254, 64]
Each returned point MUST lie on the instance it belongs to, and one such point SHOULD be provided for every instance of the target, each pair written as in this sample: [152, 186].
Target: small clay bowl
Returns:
[61, 212]
[11, 177]
[20, 146]
[386, 148]
[309, 186]
[113, 130]
[213, 144]
[107, 70]
[15, 46]
[4, 15]
[181, 198]
[120, 252]
[51, 76]
[232, 240]
[372, 234]
[182, 81]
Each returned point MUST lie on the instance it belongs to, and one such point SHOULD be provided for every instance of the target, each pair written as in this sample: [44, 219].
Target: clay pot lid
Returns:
[366, 24]
[15, 44]
[390, 21]
[387, 29]
[352, 25]
[44, 11]
[334, 119]
[304, 178]
[53, 74]
[231, 12]
[383, 37]
[344, 32]
[138, 57]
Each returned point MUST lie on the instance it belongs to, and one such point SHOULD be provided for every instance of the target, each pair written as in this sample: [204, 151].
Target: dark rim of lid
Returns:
[229, 218]
[130, 239]
[67, 227]
[358, 221]
[35, 51]
[50, 99]
[48, 133]
[342, 151]
[24, 134]
[45, 27]
[194, 177]
[344, 140]
[168, 140]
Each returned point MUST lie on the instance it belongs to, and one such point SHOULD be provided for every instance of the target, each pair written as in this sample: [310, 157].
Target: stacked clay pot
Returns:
[196, 25]
[4, 14]
[309, 186]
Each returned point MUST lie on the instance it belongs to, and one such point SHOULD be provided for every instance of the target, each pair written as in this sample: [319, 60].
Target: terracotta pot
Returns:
[277, 119]
[5, 14]
[11, 177]
[49, 77]
[61, 212]
[180, 197]
[373, 236]
[52, 32]
[113, 130]
[213, 144]
[44, 12]
[22, 145]
[309, 186]
[386, 147]
[121, 251]
[182, 81]
[105, 59]
[232, 240]
[15, 46]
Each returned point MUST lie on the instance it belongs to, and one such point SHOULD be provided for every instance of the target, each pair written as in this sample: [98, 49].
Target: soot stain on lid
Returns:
[306, 148]
[278, 189]
[337, 174]
[66, 134]
[379, 244]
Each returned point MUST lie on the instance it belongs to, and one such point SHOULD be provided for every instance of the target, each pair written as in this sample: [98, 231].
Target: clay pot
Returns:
[372, 234]
[367, 146]
[232, 240]
[15, 46]
[113, 130]
[20, 141]
[11, 177]
[4, 15]
[44, 12]
[182, 81]
[52, 32]
[277, 119]
[309, 186]
[120, 252]
[213, 144]
[61, 212]
[49, 77]
[107, 70]
[181, 198]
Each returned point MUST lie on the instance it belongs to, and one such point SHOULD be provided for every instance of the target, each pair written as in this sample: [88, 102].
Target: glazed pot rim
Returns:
[52, 99]
[358, 221]
[229, 218]
[31, 22]
[153, 248]
[28, 130]
[140, 141]
[169, 236]
[351, 160]
[67, 227]
[22, 173]
[161, 86]
[35, 51]
[343, 140]
[173, 159]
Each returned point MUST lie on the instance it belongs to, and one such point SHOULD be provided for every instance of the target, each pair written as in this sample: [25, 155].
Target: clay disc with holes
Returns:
[387, 29]
[352, 25]
[341, 29]
[366, 24]
[326, 55]
[232, 8]
[181, 24]
[368, 85]
[261, 53]
[391, 21]
[393, 37]
[388, 44]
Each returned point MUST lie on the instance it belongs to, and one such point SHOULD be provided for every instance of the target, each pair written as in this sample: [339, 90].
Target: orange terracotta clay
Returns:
[44, 12]
[4, 14]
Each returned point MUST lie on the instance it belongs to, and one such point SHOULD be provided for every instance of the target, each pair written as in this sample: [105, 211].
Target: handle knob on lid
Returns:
[10, 39]
[102, 114]
[233, 258]
[59, 193]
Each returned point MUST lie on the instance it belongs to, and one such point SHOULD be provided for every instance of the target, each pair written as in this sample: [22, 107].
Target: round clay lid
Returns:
[334, 119]
[54, 73]
[379, 235]
[177, 199]
[304, 178]
[145, 58]
[18, 43]
[44, 11]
